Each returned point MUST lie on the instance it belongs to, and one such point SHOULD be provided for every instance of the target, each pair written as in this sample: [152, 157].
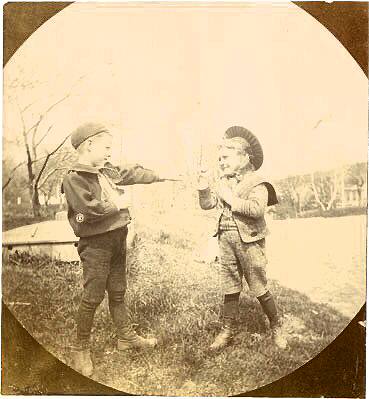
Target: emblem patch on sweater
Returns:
[80, 218]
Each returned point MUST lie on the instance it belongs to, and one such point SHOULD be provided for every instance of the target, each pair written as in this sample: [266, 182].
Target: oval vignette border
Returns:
[27, 368]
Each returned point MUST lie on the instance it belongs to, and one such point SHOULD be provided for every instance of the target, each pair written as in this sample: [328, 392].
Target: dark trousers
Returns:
[103, 259]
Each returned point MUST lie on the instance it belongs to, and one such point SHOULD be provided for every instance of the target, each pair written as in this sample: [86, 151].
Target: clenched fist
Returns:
[224, 193]
[202, 179]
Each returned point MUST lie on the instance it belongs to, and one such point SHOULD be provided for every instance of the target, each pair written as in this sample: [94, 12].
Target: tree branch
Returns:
[60, 145]
[333, 191]
[21, 115]
[40, 119]
[43, 137]
[51, 107]
[11, 173]
[316, 195]
[7, 182]
[47, 160]
[55, 104]
[28, 106]
[46, 178]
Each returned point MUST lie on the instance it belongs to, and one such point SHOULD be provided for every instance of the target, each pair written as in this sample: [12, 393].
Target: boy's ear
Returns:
[246, 159]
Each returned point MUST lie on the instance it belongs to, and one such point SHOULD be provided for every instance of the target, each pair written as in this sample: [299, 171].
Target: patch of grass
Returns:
[179, 301]
[21, 216]
[11, 222]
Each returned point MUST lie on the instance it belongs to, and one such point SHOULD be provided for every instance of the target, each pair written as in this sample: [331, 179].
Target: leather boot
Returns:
[279, 336]
[129, 339]
[81, 361]
[224, 337]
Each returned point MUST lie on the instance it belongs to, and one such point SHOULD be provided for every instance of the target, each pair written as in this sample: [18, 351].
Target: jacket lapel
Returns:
[248, 182]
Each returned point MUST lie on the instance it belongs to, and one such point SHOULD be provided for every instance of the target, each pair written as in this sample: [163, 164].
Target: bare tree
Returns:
[50, 177]
[37, 184]
[33, 137]
[299, 191]
[295, 193]
[325, 188]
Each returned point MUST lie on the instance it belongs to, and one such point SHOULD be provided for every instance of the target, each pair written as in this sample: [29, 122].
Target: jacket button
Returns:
[254, 234]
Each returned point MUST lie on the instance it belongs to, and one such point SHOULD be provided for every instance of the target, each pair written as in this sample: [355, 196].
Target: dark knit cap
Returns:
[255, 146]
[85, 131]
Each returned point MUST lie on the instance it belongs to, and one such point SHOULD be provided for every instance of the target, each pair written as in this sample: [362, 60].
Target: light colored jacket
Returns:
[247, 209]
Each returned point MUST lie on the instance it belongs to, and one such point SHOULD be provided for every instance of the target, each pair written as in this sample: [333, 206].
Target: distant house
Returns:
[353, 192]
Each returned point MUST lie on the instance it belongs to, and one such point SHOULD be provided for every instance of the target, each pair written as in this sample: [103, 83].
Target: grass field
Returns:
[178, 300]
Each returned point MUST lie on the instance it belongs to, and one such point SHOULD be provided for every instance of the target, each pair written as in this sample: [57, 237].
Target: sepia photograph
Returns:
[184, 193]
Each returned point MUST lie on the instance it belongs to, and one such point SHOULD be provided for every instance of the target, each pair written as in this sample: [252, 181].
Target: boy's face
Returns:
[100, 149]
[232, 161]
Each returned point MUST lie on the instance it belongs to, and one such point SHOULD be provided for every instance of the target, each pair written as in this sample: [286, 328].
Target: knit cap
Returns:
[86, 131]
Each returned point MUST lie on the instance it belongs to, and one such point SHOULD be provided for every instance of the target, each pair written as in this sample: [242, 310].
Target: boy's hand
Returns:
[225, 193]
[123, 201]
[171, 177]
[203, 179]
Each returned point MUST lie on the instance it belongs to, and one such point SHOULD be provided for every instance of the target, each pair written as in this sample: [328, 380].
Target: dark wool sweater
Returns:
[88, 213]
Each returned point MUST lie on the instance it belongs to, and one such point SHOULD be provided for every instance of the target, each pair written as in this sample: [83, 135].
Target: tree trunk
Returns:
[334, 191]
[298, 203]
[31, 178]
[315, 191]
[30, 190]
[36, 206]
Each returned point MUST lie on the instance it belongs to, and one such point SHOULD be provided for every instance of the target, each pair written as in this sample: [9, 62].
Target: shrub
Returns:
[335, 212]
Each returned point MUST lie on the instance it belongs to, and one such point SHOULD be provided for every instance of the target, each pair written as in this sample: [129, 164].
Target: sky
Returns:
[170, 80]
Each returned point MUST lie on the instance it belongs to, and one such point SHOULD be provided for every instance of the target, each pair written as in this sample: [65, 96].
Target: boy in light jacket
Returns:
[242, 197]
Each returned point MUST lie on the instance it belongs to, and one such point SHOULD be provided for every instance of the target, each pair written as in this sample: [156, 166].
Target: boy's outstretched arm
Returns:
[130, 174]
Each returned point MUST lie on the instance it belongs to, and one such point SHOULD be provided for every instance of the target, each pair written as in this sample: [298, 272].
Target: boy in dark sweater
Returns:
[242, 198]
[98, 213]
